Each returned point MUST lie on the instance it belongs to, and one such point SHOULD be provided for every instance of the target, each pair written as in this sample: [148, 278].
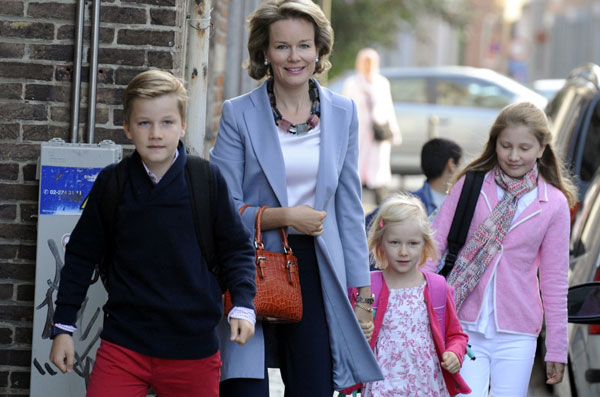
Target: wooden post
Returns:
[197, 25]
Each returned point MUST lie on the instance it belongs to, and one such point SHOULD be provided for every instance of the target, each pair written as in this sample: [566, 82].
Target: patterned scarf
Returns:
[477, 254]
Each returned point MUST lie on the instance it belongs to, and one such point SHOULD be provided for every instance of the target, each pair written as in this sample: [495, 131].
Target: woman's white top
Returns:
[301, 158]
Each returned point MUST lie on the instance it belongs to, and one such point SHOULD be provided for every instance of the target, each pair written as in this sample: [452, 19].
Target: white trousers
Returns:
[504, 362]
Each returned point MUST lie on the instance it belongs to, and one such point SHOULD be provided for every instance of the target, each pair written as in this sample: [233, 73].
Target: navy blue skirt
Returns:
[301, 350]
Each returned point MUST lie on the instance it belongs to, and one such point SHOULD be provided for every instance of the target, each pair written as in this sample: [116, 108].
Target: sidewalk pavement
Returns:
[537, 387]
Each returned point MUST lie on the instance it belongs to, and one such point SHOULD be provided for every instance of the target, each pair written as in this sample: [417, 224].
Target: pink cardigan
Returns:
[456, 339]
[538, 240]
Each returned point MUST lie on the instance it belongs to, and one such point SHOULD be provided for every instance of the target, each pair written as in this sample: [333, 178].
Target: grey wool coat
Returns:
[248, 154]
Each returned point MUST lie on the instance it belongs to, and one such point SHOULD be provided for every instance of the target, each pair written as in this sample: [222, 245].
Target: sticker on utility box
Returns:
[63, 190]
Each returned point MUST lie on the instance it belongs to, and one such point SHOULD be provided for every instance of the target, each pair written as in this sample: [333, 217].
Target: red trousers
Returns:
[120, 372]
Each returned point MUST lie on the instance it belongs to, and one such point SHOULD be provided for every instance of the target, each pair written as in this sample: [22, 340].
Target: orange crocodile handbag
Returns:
[278, 297]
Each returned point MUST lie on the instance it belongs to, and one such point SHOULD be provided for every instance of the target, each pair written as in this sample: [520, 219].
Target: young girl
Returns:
[520, 228]
[419, 351]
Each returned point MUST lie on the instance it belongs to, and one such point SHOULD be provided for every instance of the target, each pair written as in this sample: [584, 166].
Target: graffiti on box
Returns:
[85, 339]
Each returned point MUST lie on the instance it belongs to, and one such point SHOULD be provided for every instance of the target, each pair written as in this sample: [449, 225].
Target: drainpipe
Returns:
[196, 70]
[93, 72]
[76, 87]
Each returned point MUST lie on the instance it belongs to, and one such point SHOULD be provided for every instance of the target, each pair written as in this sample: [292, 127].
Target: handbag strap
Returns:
[258, 234]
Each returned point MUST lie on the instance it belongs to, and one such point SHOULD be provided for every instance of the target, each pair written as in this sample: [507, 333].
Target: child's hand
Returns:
[450, 362]
[63, 352]
[241, 330]
[365, 320]
[554, 372]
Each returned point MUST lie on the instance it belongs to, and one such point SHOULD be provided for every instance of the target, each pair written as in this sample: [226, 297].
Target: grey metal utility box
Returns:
[67, 172]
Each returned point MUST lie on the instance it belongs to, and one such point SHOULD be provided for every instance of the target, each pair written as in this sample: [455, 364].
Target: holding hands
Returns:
[364, 312]
[365, 320]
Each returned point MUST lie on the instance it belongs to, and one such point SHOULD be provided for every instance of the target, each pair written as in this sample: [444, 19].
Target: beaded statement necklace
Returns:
[315, 110]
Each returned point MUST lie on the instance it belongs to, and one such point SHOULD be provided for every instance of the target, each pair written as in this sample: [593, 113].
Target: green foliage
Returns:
[363, 23]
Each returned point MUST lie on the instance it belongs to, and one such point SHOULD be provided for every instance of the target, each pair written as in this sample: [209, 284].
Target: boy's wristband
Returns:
[59, 329]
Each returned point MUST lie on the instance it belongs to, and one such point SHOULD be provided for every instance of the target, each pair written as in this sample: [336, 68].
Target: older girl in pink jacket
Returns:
[520, 229]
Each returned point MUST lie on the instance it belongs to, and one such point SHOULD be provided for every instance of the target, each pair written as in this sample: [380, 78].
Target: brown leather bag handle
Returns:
[258, 234]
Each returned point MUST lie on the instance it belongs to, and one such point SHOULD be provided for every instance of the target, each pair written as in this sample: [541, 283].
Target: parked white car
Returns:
[454, 102]
[548, 87]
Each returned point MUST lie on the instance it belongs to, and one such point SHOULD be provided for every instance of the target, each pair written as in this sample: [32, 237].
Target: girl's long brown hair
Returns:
[551, 169]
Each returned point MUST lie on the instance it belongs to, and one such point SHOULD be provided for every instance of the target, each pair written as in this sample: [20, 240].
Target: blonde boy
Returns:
[163, 301]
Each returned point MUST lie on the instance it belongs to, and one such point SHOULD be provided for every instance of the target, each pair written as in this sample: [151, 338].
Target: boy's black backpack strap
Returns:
[462, 218]
[108, 212]
[200, 181]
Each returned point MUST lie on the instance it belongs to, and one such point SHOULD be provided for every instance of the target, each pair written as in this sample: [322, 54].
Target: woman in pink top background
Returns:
[371, 92]
[520, 228]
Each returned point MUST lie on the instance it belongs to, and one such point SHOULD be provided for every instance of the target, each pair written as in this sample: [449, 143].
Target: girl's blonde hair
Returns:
[530, 116]
[271, 11]
[400, 208]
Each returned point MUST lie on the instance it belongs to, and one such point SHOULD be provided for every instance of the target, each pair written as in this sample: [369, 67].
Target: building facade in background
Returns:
[36, 70]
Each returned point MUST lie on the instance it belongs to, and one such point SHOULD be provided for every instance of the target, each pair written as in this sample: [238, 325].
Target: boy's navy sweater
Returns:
[163, 301]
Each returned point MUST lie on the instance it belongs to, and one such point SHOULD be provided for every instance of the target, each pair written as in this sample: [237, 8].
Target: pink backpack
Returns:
[437, 293]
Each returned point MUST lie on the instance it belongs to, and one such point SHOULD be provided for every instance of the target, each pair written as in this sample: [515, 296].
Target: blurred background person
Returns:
[440, 159]
[371, 92]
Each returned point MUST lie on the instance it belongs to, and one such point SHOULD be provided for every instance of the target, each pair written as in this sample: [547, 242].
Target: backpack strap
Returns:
[462, 218]
[376, 282]
[113, 190]
[200, 181]
[437, 295]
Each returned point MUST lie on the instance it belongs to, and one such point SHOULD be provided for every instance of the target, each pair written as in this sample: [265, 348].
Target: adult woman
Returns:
[296, 152]
[371, 92]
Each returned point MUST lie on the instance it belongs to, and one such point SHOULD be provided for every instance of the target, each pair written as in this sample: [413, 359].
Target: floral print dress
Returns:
[405, 350]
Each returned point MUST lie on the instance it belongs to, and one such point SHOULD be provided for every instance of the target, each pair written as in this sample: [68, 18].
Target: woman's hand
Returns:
[554, 372]
[307, 220]
[365, 320]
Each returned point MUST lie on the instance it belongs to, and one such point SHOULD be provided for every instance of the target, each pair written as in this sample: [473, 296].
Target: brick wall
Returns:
[36, 69]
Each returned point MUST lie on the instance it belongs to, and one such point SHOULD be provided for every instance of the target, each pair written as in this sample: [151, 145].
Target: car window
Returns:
[590, 160]
[588, 232]
[582, 216]
[411, 90]
[554, 105]
[564, 113]
[471, 92]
